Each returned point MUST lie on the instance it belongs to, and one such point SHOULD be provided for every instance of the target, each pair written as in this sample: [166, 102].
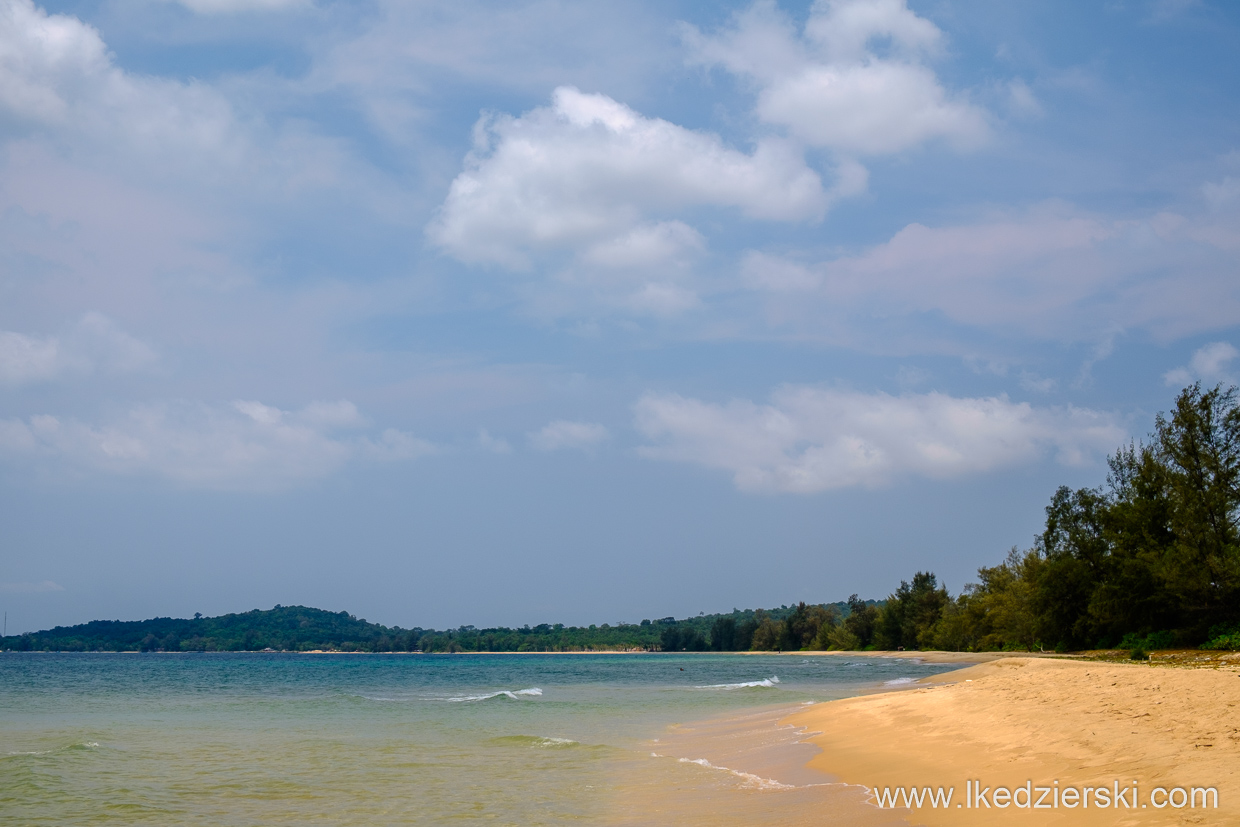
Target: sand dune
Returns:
[1020, 720]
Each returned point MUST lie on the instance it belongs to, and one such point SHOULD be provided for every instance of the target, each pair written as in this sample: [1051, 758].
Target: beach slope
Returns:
[1021, 720]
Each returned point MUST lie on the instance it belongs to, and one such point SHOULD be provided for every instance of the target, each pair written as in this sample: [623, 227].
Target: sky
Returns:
[542, 311]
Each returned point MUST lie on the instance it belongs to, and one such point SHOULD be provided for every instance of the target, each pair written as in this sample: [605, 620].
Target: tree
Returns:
[768, 633]
[857, 629]
[1200, 448]
[908, 617]
[723, 635]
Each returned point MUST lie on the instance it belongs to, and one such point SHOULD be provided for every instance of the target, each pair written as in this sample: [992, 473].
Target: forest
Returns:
[1150, 559]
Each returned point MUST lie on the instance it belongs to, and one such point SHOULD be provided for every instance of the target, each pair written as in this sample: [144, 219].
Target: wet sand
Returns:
[1015, 720]
[737, 770]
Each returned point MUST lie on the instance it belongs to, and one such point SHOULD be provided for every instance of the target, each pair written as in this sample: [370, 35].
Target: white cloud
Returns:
[565, 434]
[1052, 272]
[95, 343]
[408, 56]
[809, 439]
[491, 444]
[1037, 384]
[236, 6]
[244, 445]
[831, 86]
[56, 72]
[1222, 193]
[1021, 101]
[25, 359]
[589, 174]
[65, 101]
[41, 587]
[1210, 364]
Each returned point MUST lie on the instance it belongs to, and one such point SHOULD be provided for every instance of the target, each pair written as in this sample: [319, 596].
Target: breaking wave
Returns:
[503, 693]
[769, 682]
[899, 681]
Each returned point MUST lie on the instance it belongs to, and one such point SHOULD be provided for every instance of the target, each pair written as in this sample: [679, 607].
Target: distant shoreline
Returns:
[925, 657]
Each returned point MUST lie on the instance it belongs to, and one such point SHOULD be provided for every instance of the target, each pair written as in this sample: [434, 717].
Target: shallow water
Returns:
[250, 739]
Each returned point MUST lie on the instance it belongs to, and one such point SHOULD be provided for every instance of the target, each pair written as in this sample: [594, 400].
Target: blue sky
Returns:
[561, 312]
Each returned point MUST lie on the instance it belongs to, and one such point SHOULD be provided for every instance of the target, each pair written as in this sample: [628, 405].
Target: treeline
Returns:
[302, 629]
[1148, 560]
[284, 628]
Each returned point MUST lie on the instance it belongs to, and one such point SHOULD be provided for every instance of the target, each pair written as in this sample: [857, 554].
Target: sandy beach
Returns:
[1059, 724]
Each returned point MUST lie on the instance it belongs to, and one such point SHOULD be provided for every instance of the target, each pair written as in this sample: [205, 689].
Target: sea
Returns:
[460, 739]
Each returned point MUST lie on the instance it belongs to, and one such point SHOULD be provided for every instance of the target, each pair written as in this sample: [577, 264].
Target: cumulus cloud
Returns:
[588, 174]
[243, 445]
[63, 96]
[854, 80]
[810, 439]
[565, 434]
[95, 343]
[1210, 364]
[41, 587]
[56, 72]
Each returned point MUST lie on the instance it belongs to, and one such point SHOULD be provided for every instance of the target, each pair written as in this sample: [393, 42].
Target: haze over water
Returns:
[248, 739]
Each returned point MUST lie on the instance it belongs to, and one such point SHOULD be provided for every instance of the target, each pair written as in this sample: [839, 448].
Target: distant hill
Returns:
[294, 628]
[301, 629]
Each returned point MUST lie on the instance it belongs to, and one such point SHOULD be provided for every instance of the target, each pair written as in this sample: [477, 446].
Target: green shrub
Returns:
[1221, 642]
[1138, 654]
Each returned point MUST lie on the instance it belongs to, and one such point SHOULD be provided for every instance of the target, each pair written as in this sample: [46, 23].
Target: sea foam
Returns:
[767, 683]
[503, 693]
[749, 778]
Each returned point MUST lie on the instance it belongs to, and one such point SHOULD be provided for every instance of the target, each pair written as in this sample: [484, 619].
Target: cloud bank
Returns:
[243, 445]
[1051, 273]
[94, 344]
[810, 439]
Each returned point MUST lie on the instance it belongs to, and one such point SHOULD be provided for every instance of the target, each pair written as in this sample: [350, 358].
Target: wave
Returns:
[899, 681]
[516, 696]
[769, 682]
[534, 742]
[749, 778]
[381, 698]
[80, 746]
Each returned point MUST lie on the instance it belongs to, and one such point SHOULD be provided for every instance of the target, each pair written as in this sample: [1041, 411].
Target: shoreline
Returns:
[924, 657]
[1016, 720]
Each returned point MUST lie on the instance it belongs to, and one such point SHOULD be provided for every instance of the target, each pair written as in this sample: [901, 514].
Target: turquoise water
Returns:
[255, 739]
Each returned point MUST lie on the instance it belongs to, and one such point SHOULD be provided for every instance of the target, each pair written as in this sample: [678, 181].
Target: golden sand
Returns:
[1015, 720]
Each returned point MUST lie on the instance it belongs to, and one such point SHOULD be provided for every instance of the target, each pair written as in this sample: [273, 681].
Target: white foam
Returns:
[769, 682]
[516, 696]
[83, 745]
[555, 742]
[899, 681]
[749, 778]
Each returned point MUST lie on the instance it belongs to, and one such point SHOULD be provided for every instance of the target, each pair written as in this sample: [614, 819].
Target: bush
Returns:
[1223, 637]
[1138, 654]
[1151, 642]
